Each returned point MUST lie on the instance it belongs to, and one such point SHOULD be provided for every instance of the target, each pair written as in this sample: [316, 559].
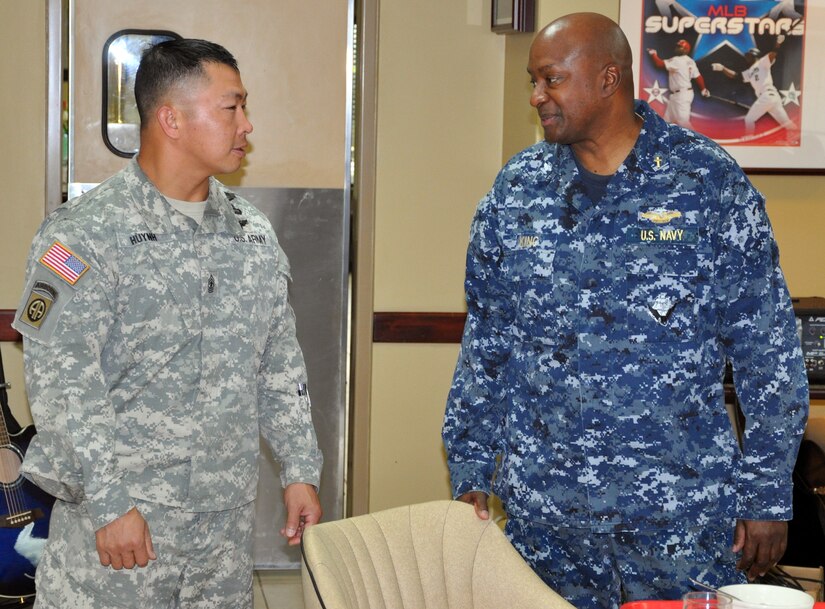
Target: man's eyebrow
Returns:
[545, 67]
[237, 95]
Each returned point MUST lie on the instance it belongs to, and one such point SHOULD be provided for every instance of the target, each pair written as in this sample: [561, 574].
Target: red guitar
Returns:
[24, 508]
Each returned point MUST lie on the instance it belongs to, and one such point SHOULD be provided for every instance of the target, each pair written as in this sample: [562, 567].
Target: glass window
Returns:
[121, 57]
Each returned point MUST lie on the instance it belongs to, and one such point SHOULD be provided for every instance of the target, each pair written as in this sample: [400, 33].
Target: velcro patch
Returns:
[64, 262]
[40, 301]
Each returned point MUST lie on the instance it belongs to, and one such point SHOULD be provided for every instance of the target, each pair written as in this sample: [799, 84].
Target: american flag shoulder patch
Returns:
[64, 262]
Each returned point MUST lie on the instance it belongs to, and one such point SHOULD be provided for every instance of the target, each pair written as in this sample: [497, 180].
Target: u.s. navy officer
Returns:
[159, 344]
[612, 271]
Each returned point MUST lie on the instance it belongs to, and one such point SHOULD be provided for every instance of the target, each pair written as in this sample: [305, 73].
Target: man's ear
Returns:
[167, 117]
[612, 79]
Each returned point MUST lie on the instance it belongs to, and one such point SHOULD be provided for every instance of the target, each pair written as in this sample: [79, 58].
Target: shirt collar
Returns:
[219, 215]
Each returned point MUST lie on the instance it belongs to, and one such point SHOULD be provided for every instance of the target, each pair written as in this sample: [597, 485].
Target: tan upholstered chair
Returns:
[436, 555]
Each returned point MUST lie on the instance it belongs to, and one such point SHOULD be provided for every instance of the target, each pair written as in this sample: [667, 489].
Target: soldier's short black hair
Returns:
[165, 64]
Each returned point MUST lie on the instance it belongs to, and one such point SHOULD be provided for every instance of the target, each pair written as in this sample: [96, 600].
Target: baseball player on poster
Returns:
[681, 72]
[758, 75]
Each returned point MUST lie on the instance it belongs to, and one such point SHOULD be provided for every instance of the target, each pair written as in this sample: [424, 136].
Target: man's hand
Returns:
[705, 93]
[477, 499]
[125, 542]
[302, 510]
[762, 543]
[717, 67]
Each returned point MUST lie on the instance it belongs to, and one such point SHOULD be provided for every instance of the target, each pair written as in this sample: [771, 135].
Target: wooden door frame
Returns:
[363, 248]
[54, 109]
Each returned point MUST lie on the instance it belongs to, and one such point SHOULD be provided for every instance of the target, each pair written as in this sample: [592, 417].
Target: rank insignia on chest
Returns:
[64, 262]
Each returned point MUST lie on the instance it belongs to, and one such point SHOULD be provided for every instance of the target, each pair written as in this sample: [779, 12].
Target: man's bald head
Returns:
[581, 68]
[595, 36]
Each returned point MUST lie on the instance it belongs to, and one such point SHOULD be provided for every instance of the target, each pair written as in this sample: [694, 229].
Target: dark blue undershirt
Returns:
[595, 185]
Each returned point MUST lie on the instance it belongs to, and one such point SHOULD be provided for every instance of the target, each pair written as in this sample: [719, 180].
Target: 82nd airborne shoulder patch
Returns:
[40, 301]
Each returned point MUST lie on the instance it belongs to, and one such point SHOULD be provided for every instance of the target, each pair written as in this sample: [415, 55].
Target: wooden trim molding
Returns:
[449, 327]
[388, 327]
[7, 333]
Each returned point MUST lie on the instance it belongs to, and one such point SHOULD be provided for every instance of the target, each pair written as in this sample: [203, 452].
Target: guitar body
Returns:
[25, 510]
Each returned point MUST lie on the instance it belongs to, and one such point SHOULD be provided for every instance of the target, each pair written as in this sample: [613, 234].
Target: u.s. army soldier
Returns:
[159, 345]
[613, 270]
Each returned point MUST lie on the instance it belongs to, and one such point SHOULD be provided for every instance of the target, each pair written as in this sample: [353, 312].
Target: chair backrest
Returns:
[436, 555]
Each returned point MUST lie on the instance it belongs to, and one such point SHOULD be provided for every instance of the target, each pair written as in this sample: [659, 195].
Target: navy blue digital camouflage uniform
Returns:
[588, 393]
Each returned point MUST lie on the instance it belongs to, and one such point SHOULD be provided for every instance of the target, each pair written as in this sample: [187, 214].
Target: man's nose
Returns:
[538, 96]
[246, 125]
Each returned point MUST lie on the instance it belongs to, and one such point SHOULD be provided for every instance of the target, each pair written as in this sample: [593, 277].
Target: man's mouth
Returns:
[547, 118]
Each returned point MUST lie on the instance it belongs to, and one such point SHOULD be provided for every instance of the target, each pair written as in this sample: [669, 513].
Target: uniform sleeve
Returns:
[760, 337]
[73, 455]
[476, 407]
[284, 408]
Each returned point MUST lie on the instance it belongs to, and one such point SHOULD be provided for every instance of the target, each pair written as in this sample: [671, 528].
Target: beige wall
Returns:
[23, 154]
[439, 146]
[446, 124]
[796, 206]
[291, 56]
[439, 136]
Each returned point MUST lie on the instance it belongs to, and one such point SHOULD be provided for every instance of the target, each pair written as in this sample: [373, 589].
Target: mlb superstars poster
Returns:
[742, 72]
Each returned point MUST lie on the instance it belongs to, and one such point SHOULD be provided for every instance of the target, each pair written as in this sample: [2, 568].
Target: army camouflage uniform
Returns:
[156, 352]
[594, 352]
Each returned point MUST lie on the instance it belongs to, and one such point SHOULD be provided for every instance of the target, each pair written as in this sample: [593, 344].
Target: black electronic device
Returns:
[810, 324]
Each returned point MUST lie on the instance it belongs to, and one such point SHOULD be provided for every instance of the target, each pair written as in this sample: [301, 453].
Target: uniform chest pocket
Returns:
[544, 307]
[152, 300]
[662, 298]
[530, 260]
[246, 276]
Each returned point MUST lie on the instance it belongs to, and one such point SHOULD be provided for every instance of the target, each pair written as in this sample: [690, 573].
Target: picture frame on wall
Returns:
[762, 99]
[513, 16]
